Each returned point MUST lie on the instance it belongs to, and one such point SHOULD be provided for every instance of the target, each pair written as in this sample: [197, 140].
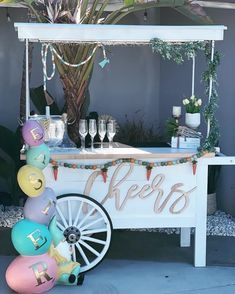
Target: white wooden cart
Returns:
[88, 209]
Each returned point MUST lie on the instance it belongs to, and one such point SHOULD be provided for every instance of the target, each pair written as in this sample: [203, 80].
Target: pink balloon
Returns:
[33, 133]
[31, 274]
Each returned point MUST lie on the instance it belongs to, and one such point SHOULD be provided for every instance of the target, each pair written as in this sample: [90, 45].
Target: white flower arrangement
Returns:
[192, 104]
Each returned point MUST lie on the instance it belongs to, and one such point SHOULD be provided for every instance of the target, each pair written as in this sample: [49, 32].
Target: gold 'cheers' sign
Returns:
[178, 205]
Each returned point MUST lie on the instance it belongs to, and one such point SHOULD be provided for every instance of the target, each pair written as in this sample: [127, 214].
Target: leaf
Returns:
[38, 98]
[129, 2]
[195, 12]
[50, 12]
[8, 142]
[77, 14]
[84, 7]
[8, 173]
[101, 10]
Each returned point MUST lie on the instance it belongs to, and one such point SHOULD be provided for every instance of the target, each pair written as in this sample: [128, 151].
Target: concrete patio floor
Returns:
[153, 263]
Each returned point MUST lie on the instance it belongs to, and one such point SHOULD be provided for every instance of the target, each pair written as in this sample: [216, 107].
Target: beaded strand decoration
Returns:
[148, 165]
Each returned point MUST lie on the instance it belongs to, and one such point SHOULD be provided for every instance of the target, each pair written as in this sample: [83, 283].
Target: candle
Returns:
[176, 111]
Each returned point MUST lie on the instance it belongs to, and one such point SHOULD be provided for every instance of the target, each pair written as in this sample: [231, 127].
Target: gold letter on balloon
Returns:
[37, 238]
[39, 274]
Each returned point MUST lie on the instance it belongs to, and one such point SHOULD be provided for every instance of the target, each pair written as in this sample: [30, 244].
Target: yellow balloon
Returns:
[31, 180]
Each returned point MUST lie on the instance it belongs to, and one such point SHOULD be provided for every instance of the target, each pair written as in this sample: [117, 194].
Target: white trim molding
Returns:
[116, 34]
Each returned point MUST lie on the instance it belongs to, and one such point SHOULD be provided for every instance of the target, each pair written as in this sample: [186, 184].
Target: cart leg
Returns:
[185, 234]
[201, 217]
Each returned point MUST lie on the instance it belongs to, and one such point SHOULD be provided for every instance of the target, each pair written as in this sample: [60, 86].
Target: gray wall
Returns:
[11, 52]
[130, 84]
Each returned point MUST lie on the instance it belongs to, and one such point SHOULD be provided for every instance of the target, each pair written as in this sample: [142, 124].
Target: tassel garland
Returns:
[148, 171]
[194, 165]
[104, 174]
[55, 171]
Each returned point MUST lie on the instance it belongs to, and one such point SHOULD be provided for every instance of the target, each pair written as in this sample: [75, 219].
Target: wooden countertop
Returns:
[121, 151]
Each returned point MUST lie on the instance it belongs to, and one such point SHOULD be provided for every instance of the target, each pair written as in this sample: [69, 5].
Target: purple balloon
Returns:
[41, 209]
[33, 133]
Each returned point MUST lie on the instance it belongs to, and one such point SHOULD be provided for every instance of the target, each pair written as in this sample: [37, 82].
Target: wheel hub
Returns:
[72, 235]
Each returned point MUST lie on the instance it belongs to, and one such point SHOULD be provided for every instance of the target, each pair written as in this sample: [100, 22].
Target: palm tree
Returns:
[75, 81]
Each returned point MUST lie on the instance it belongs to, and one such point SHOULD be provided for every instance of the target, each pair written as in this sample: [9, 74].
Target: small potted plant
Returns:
[193, 108]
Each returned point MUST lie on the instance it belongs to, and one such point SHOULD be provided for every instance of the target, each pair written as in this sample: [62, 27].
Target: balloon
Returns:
[33, 133]
[41, 209]
[31, 180]
[31, 274]
[30, 238]
[38, 156]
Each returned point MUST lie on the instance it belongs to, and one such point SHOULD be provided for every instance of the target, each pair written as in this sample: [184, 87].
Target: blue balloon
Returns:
[38, 156]
[30, 238]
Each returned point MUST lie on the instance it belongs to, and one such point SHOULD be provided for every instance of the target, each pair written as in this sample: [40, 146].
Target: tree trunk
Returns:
[75, 81]
[77, 101]
[74, 109]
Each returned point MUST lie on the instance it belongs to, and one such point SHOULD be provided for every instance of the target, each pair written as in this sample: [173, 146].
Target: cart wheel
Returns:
[87, 227]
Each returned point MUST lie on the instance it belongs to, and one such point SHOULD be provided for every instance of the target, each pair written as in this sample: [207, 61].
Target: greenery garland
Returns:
[211, 107]
[178, 52]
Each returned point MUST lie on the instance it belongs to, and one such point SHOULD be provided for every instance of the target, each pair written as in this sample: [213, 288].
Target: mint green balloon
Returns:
[30, 238]
[38, 156]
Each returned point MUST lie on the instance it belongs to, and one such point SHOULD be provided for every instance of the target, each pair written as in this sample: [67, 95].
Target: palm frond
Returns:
[194, 12]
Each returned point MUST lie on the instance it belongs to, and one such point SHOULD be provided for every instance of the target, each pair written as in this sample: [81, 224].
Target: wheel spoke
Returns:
[60, 226]
[69, 213]
[90, 232]
[61, 216]
[91, 224]
[82, 253]
[93, 240]
[73, 252]
[89, 248]
[86, 217]
[78, 214]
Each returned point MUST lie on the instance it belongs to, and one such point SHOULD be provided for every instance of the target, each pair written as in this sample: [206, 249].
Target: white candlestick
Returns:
[176, 111]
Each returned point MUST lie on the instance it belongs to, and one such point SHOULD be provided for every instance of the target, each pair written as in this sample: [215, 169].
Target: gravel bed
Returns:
[218, 224]
[10, 215]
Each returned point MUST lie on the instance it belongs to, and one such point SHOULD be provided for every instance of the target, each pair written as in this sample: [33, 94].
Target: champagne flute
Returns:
[83, 130]
[92, 132]
[111, 131]
[102, 131]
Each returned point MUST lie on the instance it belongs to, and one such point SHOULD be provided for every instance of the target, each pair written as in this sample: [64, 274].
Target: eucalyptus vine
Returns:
[210, 109]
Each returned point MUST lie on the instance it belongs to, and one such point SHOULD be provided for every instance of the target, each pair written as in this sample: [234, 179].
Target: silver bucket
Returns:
[54, 129]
